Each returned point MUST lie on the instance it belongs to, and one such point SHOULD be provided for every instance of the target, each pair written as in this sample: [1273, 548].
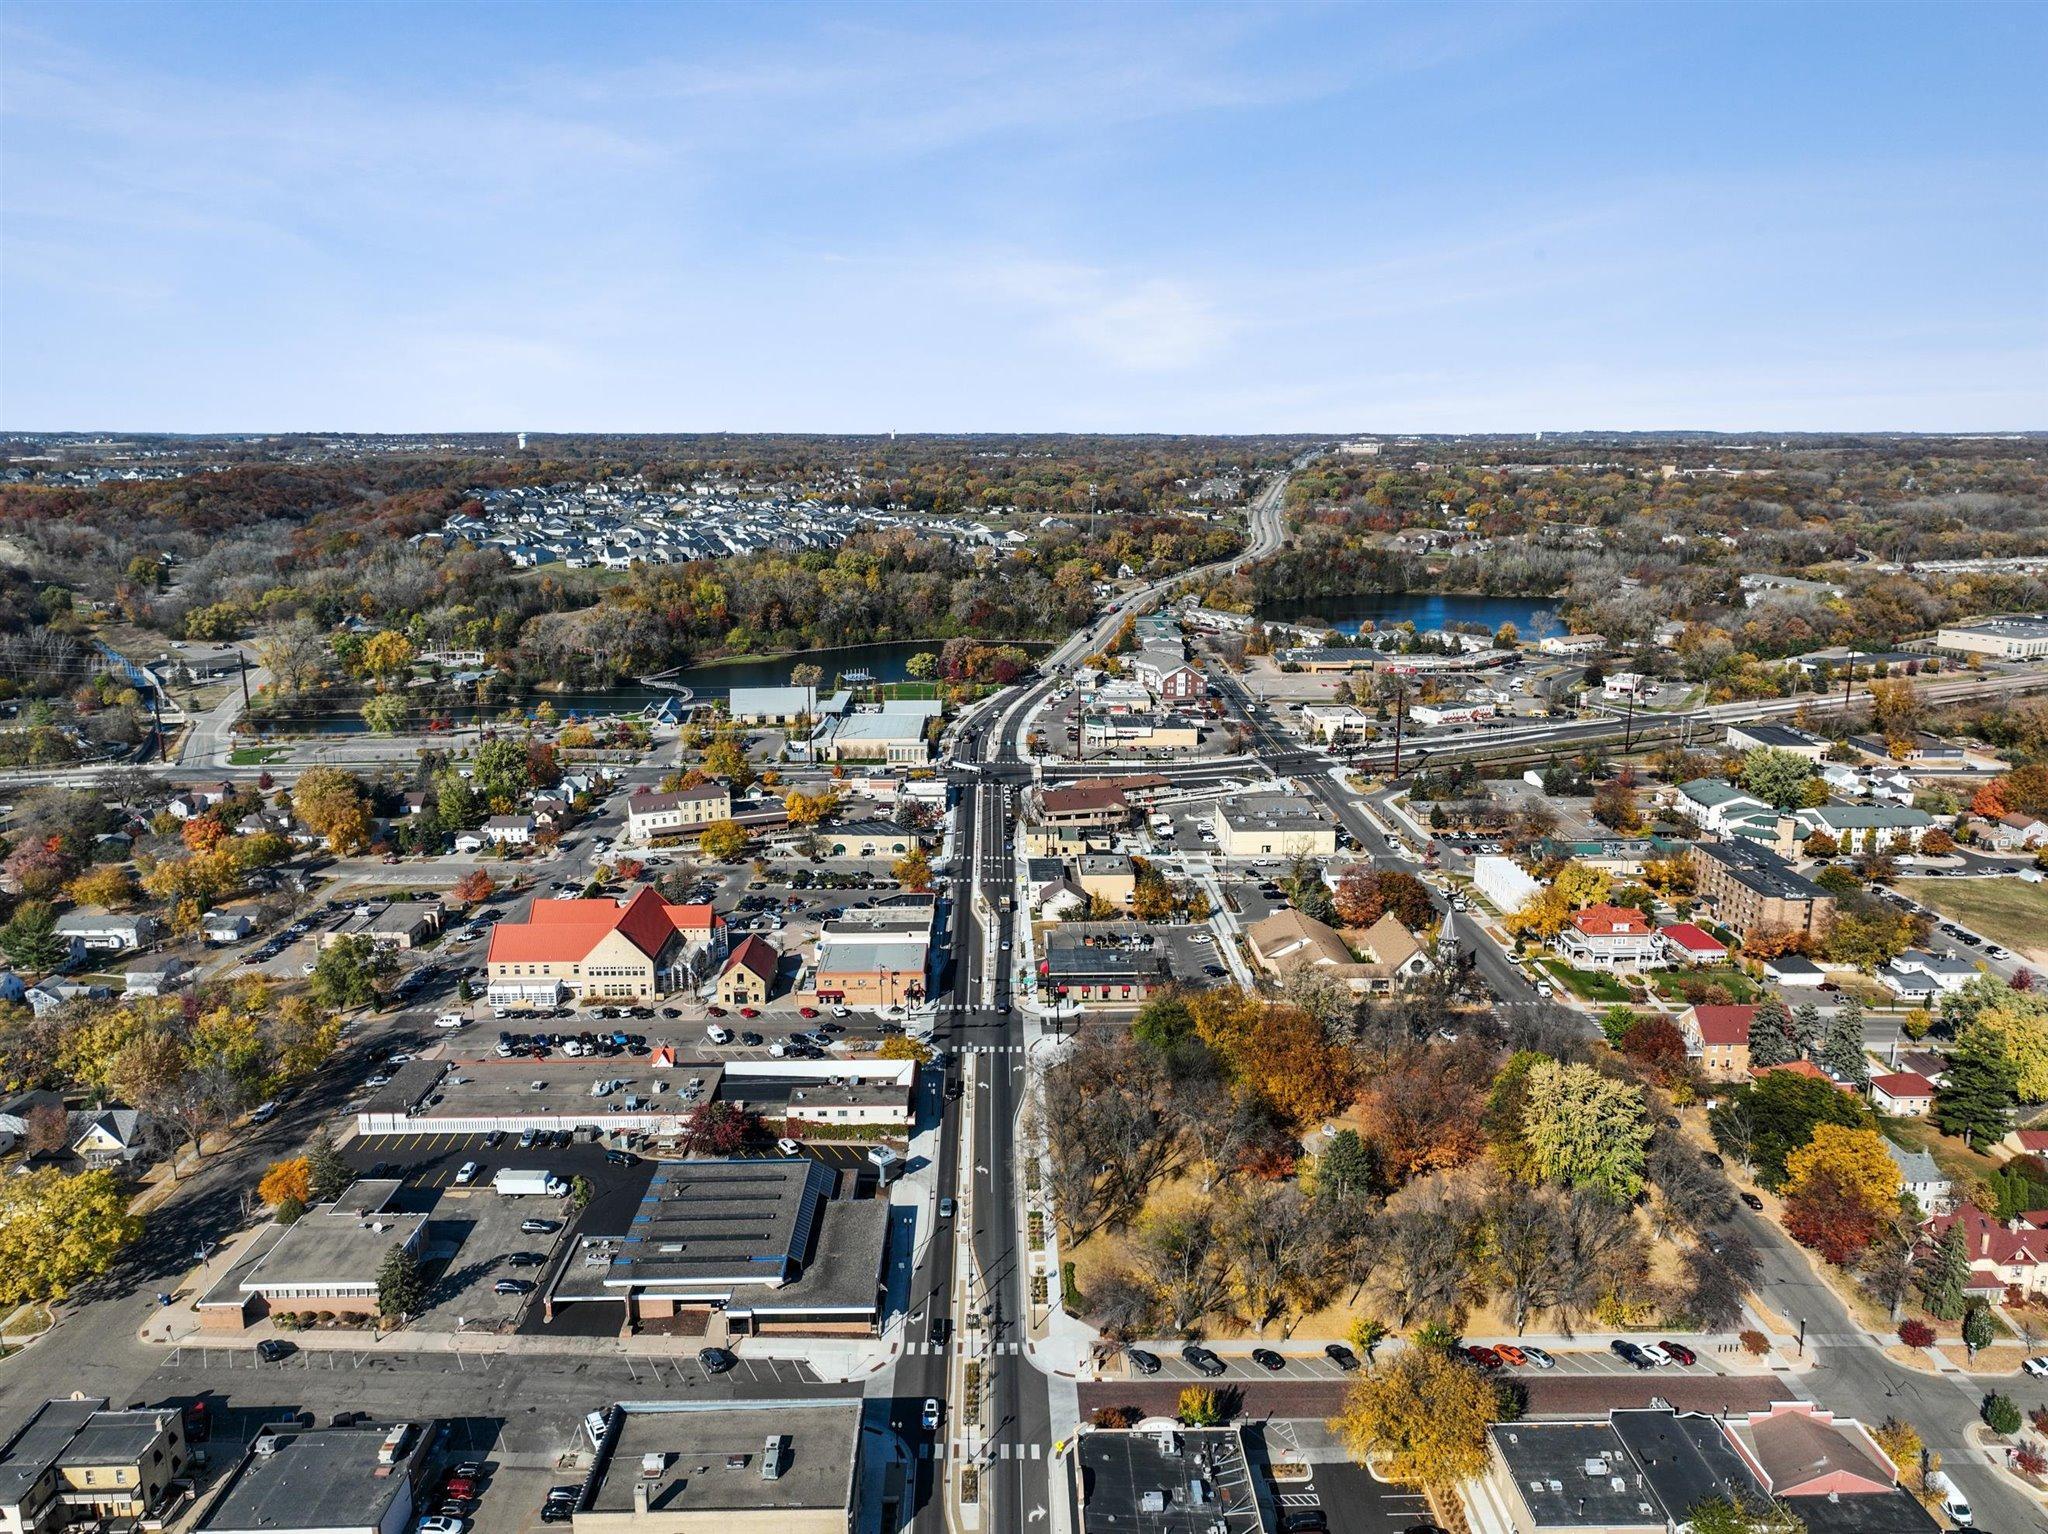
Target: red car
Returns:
[715, 1011]
[806, 1011]
[1485, 1357]
[750, 1011]
[456, 1486]
[1680, 1351]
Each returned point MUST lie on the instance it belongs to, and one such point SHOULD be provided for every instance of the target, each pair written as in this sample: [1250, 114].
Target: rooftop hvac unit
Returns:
[652, 1465]
[771, 1457]
[264, 1445]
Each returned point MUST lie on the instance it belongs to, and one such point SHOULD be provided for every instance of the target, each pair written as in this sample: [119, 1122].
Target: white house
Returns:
[1862, 826]
[1903, 1094]
[106, 931]
[1719, 807]
[2016, 833]
[1917, 975]
[1611, 937]
[1923, 1178]
[159, 977]
[221, 927]
[509, 830]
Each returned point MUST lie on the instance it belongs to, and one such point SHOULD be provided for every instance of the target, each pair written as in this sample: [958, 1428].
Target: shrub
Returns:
[2028, 1460]
[1115, 1416]
[1200, 1406]
[2001, 1414]
[2039, 1417]
[1916, 1334]
[1755, 1343]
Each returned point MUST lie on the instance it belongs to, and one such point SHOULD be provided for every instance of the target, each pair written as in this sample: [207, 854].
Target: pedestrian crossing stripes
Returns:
[956, 1349]
[955, 1450]
[993, 1049]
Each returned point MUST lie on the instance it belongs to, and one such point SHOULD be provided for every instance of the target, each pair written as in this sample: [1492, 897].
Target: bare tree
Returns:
[1278, 1249]
[1717, 1279]
[1122, 1306]
[1424, 1256]
[1182, 1259]
[1692, 1194]
[1598, 1250]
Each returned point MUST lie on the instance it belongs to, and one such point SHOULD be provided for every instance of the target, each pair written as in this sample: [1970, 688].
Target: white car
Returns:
[842, 1011]
[788, 1147]
[377, 1080]
[1656, 1354]
[466, 1174]
[441, 1525]
[2038, 1367]
[450, 1020]
[930, 1415]
[264, 1113]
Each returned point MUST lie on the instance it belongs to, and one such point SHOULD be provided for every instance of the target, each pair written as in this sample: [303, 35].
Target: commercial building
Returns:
[758, 1246]
[748, 977]
[1645, 1471]
[1777, 737]
[1107, 876]
[899, 731]
[634, 950]
[867, 839]
[725, 1467]
[654, 1098]
[393, 925]
[1153, 731]
[878, 957]
[1725, 810]
[771, 705]
[327, 1259]
[1091, 967]
[649, 815]
[1431, 716]
[73, 1461]
[2010, 638]
[1503, 883]
[1162, 1478]
[362, 1479]
[1099, 806]
[1166, 674]
[1752, 890]
[1273, 826]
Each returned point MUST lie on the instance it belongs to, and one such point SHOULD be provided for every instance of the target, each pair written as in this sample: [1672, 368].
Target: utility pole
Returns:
[242, 671]
[1400, 713]
[1628, 727]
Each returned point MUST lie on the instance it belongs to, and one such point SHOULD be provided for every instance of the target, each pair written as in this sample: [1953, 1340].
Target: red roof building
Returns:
[749, 973]
[2002, 1254]
[598, 948]
[1906, 1094]
[1690, 944]
[1611, 937]
[1718, 1037]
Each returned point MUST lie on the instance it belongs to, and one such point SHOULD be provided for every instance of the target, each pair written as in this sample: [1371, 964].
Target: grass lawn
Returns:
[2008, 911]
[257, 756]
[1585, 983]
[1739, 986]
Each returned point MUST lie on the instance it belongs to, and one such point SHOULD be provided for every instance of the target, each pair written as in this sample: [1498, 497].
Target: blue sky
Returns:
[660, 217]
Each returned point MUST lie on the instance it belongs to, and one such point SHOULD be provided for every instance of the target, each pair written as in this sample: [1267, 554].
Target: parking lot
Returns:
[1348, 1496]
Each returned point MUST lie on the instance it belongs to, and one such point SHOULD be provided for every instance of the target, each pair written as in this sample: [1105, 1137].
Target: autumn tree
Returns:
[1583, 1129]
[59, 1232]
[1419, 1419]
[475, 887]
[332, 804]
[1423, 1112]
[1365, 894]
[1839, 1189]
[723, 841]
[110, 887]
[913, 870]
[386, 655]
[289, 1179]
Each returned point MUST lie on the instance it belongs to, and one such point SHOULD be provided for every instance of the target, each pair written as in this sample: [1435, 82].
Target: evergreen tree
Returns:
[31, 939]
[1841, 1053]
[1806, 1025]
[400, 1289]
[326, 1173]
[1979, 1330]
[1770, 1035]
[1943, 1272]
[1976, 1098]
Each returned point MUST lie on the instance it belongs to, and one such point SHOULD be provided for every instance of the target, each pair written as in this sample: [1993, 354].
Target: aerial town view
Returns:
[1153, 768]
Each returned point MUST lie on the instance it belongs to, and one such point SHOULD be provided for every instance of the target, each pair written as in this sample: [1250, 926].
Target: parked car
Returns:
[1679, 1352]
[716, 1360]
[2038, 1367]
[513, 1286]
[1484, 1357]
[1201, 1360]
[1304, 1520]
[1629, 1353]
[440, 1525]
[1268, 1360]
[1510, 1354]
[526, 1259]
[1538, 1357]
[1656, 1354]
[1751, 1201]
[788, 1147]
[1341, 1356]
[1142, 1361]
[271, 1349]
[539, 1227]
[466, 1174]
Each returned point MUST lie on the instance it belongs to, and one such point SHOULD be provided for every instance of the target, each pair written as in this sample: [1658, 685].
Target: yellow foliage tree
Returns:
[1854, 1159]
[1420, 1419]
[290, 1180]
[913, 870]
[113, 888]
[58, 1231]
[723, 840]
[387, 654]
[1542, 916]
[1580, 885]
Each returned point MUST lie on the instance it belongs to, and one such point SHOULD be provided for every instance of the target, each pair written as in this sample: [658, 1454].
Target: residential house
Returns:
[2016, 833]
[1718, 1038]
[509, 830]
[2026, 1142]
[1794, 969]
[1611, 937]
[158, 977]
[47, 995]
[106, 1137]
[747, 978]
[2002, 1254]
[1921, 1175]
[1724, 809]
[107, 931]
[1687, 944]
[1752, 889]
[1866, 827]
[1903, 1094]
[1919, 976]
[634, 950]
[220, 927]
[649, 815]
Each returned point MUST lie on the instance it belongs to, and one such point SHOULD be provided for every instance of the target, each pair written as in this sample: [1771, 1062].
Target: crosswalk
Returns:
[956, 1449]
[992, 1049]
[956, 1349]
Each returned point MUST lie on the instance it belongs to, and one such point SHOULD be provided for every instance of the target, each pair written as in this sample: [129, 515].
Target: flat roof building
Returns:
[725, 1467]
[2010, 638]
[327, 1259]
[1753, 889]
[73, 1461]
[1162, 1478]
[1273, 825]
[339, 1480]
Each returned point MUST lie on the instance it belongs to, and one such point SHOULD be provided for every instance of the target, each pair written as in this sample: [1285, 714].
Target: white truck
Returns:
[512, 1182]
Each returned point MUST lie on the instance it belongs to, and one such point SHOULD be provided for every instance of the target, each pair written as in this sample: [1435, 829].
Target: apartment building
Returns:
[649, 815]
[1752, 889]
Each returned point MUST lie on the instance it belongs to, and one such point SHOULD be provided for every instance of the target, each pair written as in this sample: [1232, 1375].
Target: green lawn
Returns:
[1739, 986]
[1586, 984]
[257, 756]
[2008, 911]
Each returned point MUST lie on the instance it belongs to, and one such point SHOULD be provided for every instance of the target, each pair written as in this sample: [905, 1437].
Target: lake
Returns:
[1533, 617]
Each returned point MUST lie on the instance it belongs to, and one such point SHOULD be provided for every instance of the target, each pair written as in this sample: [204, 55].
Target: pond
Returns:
[1533, 617]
